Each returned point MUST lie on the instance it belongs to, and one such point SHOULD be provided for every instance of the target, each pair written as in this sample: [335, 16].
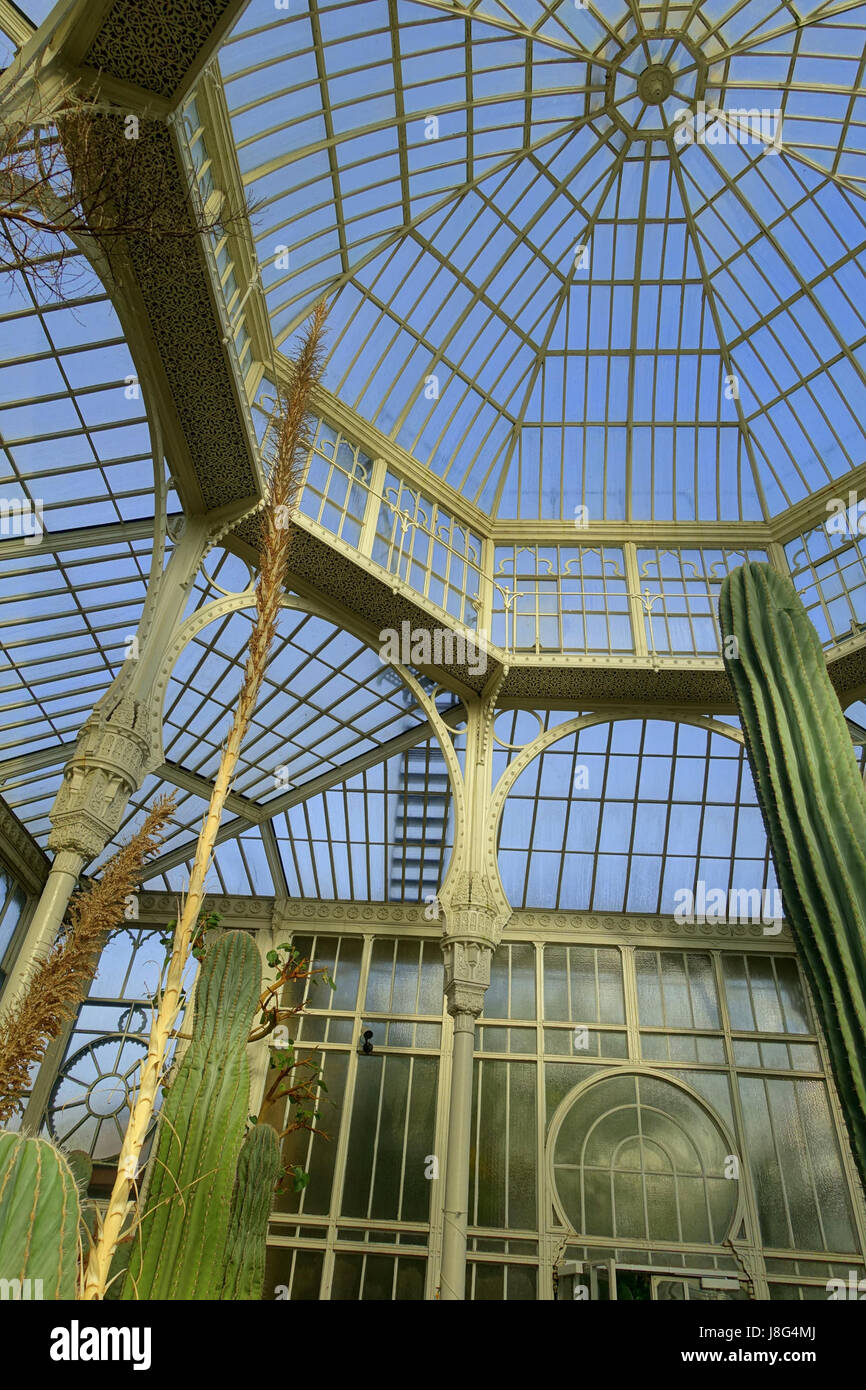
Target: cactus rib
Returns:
[179, 1251]
[258, 1170]
[39, 1213]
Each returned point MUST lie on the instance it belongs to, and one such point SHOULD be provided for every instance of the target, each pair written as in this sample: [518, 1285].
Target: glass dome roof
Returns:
[558, 279]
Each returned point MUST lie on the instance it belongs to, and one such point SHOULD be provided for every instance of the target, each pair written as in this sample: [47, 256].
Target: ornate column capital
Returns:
[107, 766]
[467, 975]
[474, 920]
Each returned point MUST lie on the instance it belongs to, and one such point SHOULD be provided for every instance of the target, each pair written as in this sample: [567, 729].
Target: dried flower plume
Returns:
[59, 981]
[288, 454]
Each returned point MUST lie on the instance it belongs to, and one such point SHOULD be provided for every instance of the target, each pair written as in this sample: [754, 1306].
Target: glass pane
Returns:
[555, 983]
[295, 1274]
[765, 996]
[737, 993]
[315, 1153]
[347, 972]
[649, 993]
[410, 1279]
[794, 1006]
[405, 996]
[379, 980]
[611, 1004]
[522, 980]
[705, 1007]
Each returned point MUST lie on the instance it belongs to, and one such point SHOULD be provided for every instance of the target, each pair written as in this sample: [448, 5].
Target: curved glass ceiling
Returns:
[542, 287]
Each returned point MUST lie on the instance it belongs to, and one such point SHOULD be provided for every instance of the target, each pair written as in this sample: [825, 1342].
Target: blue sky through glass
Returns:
[440, 177]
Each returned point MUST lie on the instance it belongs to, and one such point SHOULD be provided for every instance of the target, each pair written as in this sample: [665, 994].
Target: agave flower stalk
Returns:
[289, 453]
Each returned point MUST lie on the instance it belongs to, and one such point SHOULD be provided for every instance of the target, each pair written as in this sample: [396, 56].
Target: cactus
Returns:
[81, 1168]
[258, 1169]
[814, 808]
[179, 1249]
[39, 1214]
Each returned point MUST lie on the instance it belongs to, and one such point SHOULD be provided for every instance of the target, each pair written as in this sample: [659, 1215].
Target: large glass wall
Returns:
[662, 1106]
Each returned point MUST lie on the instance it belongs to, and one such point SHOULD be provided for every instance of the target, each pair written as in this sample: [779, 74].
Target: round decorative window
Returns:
[637, 1156]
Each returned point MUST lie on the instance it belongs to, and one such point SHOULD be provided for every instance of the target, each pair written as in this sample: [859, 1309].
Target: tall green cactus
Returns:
[258, 1169]
[179, 1250]
[814, 807]
[39, 1212]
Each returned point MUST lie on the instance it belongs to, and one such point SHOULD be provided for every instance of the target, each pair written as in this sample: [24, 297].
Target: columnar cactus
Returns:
[814, 807]
[179, 1250]
[258, 1169]
[39, 1212]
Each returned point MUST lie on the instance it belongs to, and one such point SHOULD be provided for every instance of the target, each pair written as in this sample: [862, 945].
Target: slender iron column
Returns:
[475, 910]
[465, 996]
[112, 756]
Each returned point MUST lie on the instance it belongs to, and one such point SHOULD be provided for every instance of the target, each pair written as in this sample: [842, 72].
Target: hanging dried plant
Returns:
[289, 451]
[59, 981]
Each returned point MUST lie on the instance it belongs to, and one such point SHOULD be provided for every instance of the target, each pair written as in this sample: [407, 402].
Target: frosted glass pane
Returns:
[316, 1154]
[794, 1004]
[378, 1283]
[764, 1164]
[491, 1156]
[347, 972]
[654, 1047]
[596, 1102]
[804, 1057]
[714, 1087]
[417, 1189]
[379, 979]
[521, 1283]
[496, 997]
[555, 985]
[793, 1155]
[768, 1011]
[661, 1206]
[596, 1216]
[737, 993]
[830, 1184]
[560, 1078]
[649, 995]
[341, 1030]
[523, 981]
[389, 1144]
[611, 1005]
[346, 1281]
[678, 1013]
[359, 1167]
[629, 1213]
[432, 979]
[522, 1212]
[319, 994]
[293, 994]
[489, 1282]
[303, 1284]
[693, 1210]
[703, 989]
[410, 1280]
[711, 1050]
[584, 991]
[406, 978]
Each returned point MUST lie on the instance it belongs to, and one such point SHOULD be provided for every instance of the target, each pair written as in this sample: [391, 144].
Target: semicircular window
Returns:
[638, 1157]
